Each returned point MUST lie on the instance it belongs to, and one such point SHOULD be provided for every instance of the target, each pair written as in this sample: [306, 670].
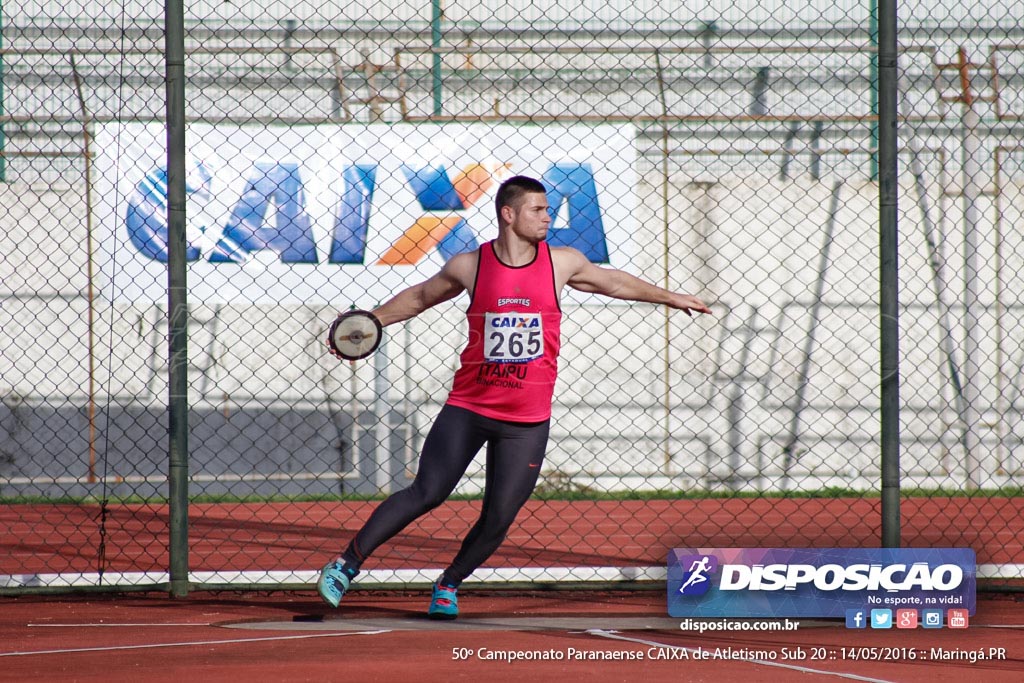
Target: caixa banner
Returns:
[345, 213]
[806, 582]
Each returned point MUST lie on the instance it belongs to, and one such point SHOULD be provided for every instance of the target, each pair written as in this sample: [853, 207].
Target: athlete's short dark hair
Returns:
[514, 188]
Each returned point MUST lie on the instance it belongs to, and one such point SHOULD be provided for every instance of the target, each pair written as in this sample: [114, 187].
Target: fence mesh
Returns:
[339, 152]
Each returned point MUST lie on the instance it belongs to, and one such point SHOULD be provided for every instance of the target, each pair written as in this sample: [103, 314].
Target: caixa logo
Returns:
[272, 214]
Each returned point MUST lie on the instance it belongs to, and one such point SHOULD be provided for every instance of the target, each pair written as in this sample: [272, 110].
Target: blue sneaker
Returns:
[333, 583]
[444, 603]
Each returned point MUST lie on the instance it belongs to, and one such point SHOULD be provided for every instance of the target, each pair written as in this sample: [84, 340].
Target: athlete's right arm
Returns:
[455, 277]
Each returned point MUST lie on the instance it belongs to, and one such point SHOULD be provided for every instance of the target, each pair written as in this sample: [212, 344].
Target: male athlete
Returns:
[501, 394]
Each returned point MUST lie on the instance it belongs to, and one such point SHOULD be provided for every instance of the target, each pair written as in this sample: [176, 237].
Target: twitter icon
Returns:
[881, 618]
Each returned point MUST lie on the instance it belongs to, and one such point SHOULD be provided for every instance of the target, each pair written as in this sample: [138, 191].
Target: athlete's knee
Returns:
[508, 515]
[435, 500]
[497, 525]
[428, 496]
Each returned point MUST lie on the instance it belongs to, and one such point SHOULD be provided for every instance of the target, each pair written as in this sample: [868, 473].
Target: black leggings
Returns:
[515, 453]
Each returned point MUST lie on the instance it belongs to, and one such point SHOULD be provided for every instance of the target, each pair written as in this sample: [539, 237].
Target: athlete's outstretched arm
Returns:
[581, 274]
[451, 281]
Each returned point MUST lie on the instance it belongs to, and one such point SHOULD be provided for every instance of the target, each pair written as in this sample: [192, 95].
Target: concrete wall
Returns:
[641, 401]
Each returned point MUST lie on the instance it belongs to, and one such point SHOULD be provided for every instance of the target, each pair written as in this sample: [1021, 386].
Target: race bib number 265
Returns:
[513, 337]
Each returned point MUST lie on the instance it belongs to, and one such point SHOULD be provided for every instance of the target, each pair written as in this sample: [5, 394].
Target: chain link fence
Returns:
[339, 152]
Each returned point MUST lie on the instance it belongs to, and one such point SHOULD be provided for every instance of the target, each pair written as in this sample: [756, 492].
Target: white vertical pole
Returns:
[971, 169]
[382, 411]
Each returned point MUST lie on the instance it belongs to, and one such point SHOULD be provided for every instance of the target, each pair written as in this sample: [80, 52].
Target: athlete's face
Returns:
[530, 218]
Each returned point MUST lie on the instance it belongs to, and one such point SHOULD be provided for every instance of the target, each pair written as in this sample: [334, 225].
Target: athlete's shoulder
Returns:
[462, 267]
[566, 252]
[466, 259]
[568, 259]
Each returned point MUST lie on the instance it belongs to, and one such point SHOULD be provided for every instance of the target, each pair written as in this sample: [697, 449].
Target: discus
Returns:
[355, 335]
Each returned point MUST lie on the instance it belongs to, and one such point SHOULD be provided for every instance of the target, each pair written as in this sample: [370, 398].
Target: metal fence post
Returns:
[177, 299]
[875, 10]
[888, 195]
[435, 41]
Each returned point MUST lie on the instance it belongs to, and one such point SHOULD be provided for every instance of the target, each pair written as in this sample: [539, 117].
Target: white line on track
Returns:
[802, 669]
[190, 643]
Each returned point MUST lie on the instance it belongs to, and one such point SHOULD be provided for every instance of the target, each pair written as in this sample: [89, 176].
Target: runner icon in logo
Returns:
[697, 575]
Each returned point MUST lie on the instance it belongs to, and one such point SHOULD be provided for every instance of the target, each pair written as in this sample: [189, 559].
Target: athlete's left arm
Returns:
[578, 272]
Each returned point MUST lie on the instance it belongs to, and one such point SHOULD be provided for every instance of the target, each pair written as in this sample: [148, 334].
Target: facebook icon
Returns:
[855, 618]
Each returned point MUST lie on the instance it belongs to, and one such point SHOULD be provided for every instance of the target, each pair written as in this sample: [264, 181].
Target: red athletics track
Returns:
[198, 639]
[294, 536]
[155, 638]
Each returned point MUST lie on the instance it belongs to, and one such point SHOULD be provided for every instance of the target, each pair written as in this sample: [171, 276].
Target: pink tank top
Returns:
[508, 368]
